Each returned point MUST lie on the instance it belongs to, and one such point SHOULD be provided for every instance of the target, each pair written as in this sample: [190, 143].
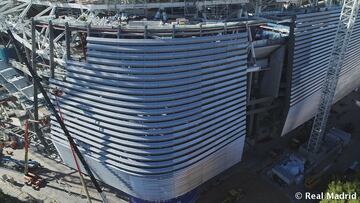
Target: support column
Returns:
[67, 40]
[36, 103]
[51, 47]
[119, 32]
[33, 65]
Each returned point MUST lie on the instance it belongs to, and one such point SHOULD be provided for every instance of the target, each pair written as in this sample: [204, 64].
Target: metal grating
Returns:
[156, 118]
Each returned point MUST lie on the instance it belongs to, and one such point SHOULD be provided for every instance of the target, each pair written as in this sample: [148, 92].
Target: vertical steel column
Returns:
[225, 28]
[60, 121]
[145, 32]
[173, 31]
[36, 103]
[88, 30]
[119, 32]
[51, 50]
[33, 65]
[67, 40]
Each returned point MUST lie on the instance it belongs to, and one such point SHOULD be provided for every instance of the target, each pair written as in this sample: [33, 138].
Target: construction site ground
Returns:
[62, 184]
[245, 182]
[248, 182]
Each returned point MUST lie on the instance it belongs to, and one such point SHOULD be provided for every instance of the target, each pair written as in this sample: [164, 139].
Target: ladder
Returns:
[348, 16]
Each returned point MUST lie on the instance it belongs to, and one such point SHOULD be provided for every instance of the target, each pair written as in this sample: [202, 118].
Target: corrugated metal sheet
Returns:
[156, 118]
[314, 36]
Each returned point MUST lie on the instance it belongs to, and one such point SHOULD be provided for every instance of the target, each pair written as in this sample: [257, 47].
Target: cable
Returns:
[59, 93]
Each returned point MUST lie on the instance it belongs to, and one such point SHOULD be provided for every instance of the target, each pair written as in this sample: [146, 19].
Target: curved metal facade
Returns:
[313, 39]
[155, 118]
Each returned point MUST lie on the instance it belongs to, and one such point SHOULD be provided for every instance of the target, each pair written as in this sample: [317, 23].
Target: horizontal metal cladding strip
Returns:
[156, 70]
[112, 98]
[303, 66]
[308, 16]
[93, 98]
[179, 140]
[151, 135]
[156, 107]
[303, 49]
[313, 45]
[303, 96]
[165, 49]
[305, 34]
[111, 105]
[239, 65]
[298, 81]
[352, 51]
[354, 54]
[135, 167]
[168, 62]
[156, 129]
[304, 44]
[304, 69]
[163, 56]
[351, 65]
[158, 156]
[300, 63]
[349, 69]
[310, 83]
[205, 85]
[157, 171]
[160, 86]
[299, 97]
[146, 115]
[317, 22]
[145, 121]
[312, 48]
[312, 53]
[352, 68]
[314, 39]
[300, 58]
[148, 149]
[162, 42]
[171, 53]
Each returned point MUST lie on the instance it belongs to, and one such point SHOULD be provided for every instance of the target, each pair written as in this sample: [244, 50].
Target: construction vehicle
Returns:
[348, 16]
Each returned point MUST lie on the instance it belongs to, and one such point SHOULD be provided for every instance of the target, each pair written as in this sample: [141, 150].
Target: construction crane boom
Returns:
[348, 16]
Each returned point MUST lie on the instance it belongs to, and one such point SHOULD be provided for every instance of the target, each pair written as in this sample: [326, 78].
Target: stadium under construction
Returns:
[161, 96]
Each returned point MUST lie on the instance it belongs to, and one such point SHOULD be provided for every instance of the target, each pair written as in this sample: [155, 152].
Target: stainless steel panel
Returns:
[310, 62]
[156, 117]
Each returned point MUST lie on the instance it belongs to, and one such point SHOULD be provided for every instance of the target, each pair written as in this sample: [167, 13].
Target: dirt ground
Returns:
[62, 184]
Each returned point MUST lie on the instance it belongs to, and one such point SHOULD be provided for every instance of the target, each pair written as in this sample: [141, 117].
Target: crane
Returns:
[348, 16]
